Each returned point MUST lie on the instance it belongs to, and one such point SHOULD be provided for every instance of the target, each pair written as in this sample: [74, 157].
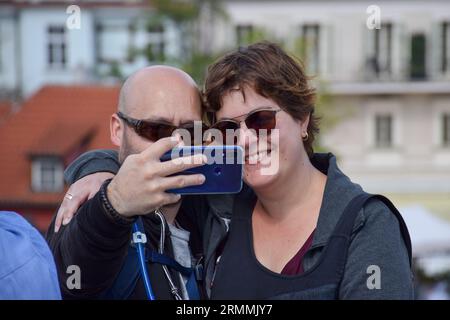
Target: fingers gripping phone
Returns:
[223, 169]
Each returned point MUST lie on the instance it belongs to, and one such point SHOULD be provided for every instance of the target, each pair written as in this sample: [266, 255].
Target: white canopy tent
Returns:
[430, 237]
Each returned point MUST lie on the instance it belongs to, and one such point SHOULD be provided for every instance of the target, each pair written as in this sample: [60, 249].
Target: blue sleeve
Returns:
[27, 268]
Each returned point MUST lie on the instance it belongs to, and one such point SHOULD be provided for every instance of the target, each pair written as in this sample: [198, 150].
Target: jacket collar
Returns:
[339, 191]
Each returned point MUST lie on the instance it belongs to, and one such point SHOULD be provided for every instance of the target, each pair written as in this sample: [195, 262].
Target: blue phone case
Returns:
[223, 170]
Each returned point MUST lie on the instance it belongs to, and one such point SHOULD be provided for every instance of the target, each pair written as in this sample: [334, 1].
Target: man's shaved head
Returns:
[152, 79]
[159, 93]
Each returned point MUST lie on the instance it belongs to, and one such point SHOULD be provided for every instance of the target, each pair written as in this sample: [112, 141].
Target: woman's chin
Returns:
[258, 176]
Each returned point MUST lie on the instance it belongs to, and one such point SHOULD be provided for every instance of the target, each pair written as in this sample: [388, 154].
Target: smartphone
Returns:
[223, 170]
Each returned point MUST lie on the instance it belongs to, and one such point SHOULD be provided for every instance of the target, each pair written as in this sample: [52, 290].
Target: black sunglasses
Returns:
[155, 130]
[256, 120]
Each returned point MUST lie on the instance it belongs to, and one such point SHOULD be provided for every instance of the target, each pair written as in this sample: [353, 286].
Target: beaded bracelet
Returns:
[109, 209]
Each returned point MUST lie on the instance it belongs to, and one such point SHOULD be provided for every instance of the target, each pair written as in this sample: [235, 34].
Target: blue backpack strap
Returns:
[192, 274]
[128, 276]
[192, 287]
[126, 280]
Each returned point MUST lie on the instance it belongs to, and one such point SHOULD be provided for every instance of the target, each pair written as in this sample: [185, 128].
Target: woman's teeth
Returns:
[253, 159]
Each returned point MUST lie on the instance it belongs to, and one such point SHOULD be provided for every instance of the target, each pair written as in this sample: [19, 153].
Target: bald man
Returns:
[92, 253]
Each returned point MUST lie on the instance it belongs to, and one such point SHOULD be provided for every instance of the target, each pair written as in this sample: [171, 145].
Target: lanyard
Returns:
[145, 254]
[139, 239]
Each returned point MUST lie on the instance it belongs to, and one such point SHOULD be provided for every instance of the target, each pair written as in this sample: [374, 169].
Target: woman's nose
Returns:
[247, 137]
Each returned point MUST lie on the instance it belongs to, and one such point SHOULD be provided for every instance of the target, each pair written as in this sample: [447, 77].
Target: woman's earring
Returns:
[305, 137]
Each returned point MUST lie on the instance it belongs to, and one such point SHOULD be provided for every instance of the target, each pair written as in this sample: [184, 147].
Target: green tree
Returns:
[188, 17]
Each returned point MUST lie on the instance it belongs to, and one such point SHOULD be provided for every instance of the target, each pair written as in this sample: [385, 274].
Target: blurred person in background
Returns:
[27, 269]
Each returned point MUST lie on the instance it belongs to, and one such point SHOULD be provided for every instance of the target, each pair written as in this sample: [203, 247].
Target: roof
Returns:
[5, 109]
[60, 138]
[58, 121]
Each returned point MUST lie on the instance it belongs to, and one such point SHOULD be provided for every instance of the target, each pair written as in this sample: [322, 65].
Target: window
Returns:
[383, 131]
[47, 174]
[380, 56]
[445, 57]
[57, 50]
[446, 129]
[112, 42]
[418, 54]
[310, 47]
[244, 34]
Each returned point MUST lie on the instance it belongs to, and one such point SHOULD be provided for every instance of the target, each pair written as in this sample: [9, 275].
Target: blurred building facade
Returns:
[58, 88]
[41, 42]
[389, 88]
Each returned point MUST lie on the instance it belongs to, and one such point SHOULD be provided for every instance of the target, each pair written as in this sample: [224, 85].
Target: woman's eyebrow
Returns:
[266, 107]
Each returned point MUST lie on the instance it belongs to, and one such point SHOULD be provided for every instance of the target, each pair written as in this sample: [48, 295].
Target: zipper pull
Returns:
[215, 271]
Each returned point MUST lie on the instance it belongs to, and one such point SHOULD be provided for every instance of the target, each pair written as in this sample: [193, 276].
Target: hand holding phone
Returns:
[140, 186]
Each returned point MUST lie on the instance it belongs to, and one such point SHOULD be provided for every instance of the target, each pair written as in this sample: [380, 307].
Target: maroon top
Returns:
[294, 266]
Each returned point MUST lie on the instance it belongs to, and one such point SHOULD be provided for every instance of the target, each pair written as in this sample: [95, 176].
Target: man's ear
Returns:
[116, 129]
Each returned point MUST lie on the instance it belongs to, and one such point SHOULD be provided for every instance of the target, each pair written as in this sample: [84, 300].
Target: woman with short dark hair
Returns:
[297, 233]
